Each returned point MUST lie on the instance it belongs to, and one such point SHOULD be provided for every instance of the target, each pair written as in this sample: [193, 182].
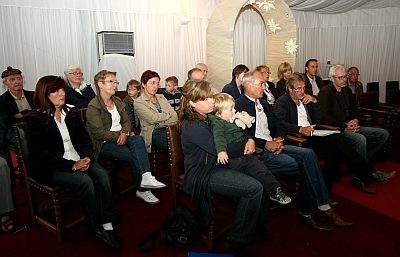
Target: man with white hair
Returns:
[204, 68]
[338, 107]
[14, 104]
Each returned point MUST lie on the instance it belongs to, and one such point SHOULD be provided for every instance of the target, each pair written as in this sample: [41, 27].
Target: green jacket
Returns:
[99, 122]
[224, 133]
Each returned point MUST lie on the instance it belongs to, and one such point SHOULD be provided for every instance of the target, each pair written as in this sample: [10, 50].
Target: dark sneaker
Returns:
[109, 237]
[280, 197]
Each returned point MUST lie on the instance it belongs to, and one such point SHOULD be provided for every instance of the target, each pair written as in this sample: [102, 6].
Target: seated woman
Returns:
[284, 73]
[235, 88]
[6, 201]
[154, 112]
[78, 93]
[61, 153]
[203, 175]
[110, 128]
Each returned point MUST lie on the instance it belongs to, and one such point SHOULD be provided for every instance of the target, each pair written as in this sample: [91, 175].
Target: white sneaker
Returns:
[149, 181]
[147, 196]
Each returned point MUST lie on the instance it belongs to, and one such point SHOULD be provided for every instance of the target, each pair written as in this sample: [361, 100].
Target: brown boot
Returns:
[336, 220]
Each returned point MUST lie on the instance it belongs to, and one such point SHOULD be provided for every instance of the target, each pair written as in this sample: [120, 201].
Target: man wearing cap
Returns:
[14, 103]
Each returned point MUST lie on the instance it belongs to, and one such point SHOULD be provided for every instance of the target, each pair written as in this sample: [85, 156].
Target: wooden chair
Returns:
[177, 177]
[57, 194]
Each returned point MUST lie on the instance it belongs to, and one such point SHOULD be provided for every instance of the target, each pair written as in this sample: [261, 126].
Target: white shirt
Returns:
[315, 88]
[302, 117]
[262, 130]
[69, 151]
[115, 119]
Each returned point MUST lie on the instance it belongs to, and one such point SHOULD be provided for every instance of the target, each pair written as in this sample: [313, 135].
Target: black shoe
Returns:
[116, 221]
[239, 249]
[109, 237]
[363, 187]
[263, 233]
[311, 222]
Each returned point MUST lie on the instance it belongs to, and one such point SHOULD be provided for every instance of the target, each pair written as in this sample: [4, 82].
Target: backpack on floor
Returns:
[176, 231]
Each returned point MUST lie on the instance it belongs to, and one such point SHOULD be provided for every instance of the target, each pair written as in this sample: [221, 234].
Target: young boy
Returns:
[172, 93]
[133, 88]
[229, 138]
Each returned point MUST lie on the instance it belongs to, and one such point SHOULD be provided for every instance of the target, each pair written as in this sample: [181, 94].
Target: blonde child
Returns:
[133, 88]
[235, 149]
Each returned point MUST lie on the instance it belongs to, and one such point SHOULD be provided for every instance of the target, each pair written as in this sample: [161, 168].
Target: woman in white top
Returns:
[61, 153]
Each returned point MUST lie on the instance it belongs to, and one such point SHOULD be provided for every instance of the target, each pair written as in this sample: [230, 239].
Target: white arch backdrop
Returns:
[280, 40]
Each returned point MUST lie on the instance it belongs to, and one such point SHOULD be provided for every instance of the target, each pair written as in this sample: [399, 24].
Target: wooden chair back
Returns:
[56, 193]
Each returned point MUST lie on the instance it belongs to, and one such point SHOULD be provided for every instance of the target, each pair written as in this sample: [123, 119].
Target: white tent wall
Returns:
[43, 37]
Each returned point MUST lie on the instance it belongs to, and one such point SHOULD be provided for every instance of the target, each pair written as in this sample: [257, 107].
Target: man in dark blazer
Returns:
[297, 117]
[281, 158]
[313, 83]
[14, 103]
[338, 107]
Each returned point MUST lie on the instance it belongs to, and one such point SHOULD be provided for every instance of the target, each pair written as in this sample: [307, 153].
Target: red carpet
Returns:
[386, 201]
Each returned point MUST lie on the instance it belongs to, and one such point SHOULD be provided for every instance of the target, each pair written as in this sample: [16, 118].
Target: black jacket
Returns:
[46, 145]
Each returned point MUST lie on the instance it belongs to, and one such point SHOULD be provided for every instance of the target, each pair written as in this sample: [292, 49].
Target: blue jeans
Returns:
[133, 151]
[294, 160]
[368, 141]
[248, 191]
[93, 189]
[6, 200]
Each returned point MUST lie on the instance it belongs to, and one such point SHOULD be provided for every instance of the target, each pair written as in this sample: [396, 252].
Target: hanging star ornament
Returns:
[267, 5]
[250, 2]
[291, 46]
[273, 26]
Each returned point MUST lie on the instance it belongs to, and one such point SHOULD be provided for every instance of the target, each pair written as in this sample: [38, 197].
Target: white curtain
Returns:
[249, 39]
[368, 39]
[43, 37]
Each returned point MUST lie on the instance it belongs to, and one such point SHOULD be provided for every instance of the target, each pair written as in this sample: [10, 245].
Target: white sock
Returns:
[324, 207]
[146, 175]
[108, 226]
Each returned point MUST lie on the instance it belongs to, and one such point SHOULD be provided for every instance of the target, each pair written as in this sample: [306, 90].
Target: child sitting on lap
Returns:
[229, 138]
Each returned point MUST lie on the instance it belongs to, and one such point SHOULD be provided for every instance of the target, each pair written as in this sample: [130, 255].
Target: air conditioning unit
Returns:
[115, 42]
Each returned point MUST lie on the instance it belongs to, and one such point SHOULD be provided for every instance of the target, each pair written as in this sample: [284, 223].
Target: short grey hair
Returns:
[71, 68]
[248, 77]
[334, 68]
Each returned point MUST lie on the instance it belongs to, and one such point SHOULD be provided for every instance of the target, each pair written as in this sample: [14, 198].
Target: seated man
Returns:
[313, 82]
[14, 104]
[354, 85]
[297, 117]
[338, 107]
[287, 159]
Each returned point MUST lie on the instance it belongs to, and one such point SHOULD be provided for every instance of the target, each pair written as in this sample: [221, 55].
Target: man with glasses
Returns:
[297, 117]
[338, 108]
[287, 159]
[354, 85]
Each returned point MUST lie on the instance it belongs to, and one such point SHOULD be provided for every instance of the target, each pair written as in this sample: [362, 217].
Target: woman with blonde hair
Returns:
[284, 73]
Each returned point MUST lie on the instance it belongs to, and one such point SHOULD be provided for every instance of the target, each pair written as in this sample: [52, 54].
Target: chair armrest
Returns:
[296, 138]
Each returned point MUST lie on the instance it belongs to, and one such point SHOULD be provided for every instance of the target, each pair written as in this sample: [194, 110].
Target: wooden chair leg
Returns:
[59, 219]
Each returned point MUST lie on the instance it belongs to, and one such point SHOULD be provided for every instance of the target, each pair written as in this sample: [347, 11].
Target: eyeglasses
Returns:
[76, 73]
[341, 77]
[111, 81]
[299, 88]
